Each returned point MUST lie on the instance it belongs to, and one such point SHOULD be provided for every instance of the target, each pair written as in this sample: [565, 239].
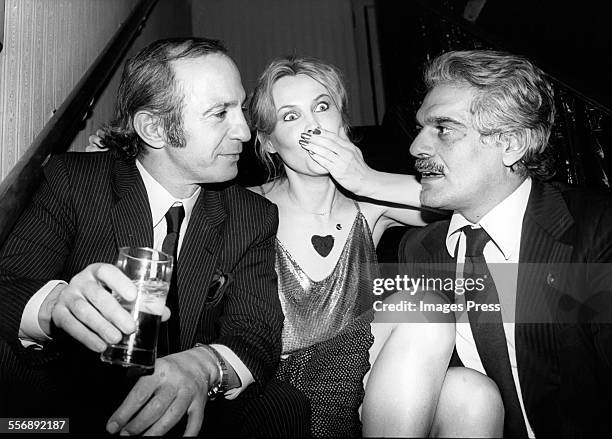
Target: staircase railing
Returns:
[17, 188]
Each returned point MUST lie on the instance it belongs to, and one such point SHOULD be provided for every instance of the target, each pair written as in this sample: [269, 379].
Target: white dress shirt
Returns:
[504, 225]
[160, 201]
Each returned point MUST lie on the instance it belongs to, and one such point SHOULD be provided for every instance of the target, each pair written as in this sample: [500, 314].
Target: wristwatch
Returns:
[219, 388]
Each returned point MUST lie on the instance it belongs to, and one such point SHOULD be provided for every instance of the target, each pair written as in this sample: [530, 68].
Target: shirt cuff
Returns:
[246, 378]
[30, 332]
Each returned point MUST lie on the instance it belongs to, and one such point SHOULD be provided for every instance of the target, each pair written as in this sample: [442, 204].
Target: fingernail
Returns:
[316, 131]
[112, 427]
[306, 136]
[310, 152]
[303, 143]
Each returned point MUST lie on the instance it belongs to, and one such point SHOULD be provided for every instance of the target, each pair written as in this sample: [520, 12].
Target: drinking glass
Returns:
[151, 271]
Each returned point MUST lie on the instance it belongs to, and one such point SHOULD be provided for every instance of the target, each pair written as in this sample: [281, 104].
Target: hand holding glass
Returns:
[151, 271]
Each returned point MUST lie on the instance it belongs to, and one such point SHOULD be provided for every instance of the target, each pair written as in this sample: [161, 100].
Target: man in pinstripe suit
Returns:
[481, 151]
[177, 137]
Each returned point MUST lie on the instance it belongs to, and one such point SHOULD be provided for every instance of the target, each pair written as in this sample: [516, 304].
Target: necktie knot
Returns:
[475, 241]
[174, 218]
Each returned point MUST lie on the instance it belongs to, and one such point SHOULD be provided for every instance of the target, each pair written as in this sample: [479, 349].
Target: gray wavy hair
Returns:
[513, 98]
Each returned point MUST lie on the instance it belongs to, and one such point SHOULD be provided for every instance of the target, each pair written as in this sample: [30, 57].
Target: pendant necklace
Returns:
[322, 244]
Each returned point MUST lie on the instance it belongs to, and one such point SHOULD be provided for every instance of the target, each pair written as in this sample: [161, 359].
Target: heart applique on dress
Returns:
[322, 244]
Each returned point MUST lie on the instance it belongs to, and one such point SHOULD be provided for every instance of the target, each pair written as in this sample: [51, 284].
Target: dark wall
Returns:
[411, 33]
[571, 40]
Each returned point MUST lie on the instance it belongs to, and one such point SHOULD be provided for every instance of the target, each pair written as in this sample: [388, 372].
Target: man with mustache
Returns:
[544, 249]
[179, 128]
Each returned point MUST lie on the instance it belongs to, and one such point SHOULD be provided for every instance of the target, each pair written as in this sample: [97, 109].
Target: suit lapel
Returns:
[542, 255]
[542, 251]
[434, 244]
[429, 258]
[131, 214]
[201, 249]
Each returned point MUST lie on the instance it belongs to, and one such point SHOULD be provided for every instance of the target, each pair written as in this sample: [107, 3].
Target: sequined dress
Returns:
[326, 335]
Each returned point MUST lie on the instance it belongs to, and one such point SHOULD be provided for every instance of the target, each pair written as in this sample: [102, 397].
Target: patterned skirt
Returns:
[330, 374]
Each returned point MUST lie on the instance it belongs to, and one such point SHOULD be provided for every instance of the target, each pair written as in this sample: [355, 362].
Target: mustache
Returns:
[428, 165]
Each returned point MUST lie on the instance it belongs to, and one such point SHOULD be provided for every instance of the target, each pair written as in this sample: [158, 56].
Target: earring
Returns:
[270, 147]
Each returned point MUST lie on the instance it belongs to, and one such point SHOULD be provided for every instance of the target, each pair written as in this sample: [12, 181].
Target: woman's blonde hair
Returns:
[263, 112]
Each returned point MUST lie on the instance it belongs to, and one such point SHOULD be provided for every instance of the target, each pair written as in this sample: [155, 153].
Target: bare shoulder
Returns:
[269, 190]
[255, 189]
[372, 212]
[374, 215]
[263, 188]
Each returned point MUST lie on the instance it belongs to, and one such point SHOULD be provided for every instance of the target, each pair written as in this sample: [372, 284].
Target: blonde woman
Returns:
[334, 349]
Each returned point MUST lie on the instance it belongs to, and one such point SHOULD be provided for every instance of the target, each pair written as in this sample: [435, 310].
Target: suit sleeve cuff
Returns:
[246, 378]
[30, 332]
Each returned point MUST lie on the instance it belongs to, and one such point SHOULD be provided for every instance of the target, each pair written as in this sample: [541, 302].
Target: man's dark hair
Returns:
[148, 83]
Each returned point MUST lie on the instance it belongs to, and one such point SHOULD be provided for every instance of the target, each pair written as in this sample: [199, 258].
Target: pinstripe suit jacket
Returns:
[87, 207]
[565, 368]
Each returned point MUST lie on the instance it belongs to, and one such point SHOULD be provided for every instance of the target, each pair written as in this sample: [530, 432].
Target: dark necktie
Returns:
[488, 330]
[169, 339]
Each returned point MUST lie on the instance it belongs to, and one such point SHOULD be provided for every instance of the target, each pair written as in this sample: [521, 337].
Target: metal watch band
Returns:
[222, 385]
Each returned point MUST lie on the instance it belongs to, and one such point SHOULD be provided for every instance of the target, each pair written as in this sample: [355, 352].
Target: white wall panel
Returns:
[49, 45]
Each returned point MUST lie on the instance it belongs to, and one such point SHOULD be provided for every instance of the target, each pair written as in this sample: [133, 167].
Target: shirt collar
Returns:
[161, 200]
[503, 223]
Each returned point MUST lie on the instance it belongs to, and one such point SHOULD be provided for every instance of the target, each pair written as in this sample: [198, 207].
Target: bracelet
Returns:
[221, 386]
